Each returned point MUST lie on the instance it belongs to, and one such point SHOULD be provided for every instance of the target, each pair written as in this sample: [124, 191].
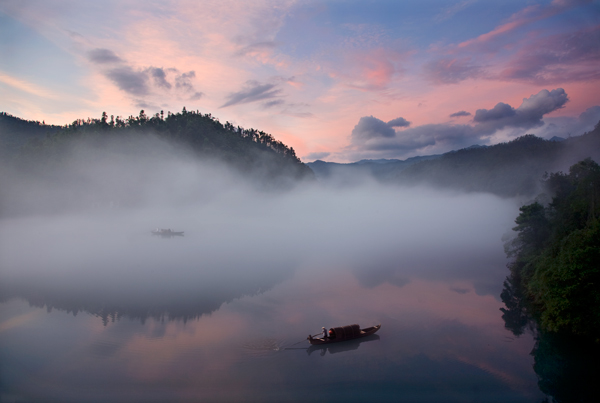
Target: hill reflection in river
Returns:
[435, 342]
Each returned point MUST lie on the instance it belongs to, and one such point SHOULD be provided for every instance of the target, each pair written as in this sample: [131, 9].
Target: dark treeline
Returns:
[112, 160]
[15, 132]
[203, 133]
[553, 286]
[506, 169]
[556, 253]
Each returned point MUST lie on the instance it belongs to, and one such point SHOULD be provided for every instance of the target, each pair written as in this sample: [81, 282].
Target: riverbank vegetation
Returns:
[555, 272]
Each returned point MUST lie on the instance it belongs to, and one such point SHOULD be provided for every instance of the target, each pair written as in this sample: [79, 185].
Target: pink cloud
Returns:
[367, 71]
[558, 58]
[517, 20]
[526, 16]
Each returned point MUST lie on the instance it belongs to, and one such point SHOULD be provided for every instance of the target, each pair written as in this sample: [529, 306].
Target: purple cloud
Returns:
[564, 126]
[460, 114]
[140, 82]
[526, 116]
[103, 56]
[160, 77]
[254, 91]
[273, 103]
[451, 71]
[500, 111]
[378, 139]
[398, 122]
[369, 127]
[183, 81]
[128, 80]
[561, 58]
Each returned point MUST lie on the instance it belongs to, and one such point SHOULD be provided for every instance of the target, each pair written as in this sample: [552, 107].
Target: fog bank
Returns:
[238, 238]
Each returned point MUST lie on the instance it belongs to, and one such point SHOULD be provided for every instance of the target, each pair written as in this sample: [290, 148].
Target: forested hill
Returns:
[555, 272]
[15, 132]
[507, 169]
[115, 161]
[249, 150]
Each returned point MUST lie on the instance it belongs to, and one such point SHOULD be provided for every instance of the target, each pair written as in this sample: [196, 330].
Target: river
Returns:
[97, 309]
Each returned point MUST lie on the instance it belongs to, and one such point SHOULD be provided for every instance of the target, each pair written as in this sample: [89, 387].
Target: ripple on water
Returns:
[261, 347]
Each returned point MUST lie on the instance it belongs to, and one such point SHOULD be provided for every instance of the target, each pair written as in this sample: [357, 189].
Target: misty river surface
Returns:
[97, 309]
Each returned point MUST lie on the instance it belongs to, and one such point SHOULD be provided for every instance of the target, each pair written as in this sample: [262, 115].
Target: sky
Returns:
[336, 80]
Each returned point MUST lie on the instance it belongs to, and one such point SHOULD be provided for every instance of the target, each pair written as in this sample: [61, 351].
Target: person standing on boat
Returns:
[324, 332]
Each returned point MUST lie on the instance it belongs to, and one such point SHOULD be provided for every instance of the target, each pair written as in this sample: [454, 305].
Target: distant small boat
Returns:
[166, 232]
[337, 334]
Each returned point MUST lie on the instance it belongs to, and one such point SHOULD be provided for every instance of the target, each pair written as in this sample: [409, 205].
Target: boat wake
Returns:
[263, 346]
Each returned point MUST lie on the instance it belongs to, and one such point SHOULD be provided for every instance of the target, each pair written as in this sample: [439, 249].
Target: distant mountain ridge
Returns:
[381, 169]
[506, 169]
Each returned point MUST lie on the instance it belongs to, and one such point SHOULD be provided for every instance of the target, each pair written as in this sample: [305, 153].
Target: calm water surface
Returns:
[221, 314]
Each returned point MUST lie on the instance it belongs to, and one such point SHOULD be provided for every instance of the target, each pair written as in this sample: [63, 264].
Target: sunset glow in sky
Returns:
[336, 80]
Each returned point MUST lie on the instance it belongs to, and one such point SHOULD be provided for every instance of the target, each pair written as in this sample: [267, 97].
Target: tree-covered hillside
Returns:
[507, 169]
[203, 134]
[556, 265]
[15, 132]
[111, 160]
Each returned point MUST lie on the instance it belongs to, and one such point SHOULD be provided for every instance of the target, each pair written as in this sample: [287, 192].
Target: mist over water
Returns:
[234, 230]
[211, 315]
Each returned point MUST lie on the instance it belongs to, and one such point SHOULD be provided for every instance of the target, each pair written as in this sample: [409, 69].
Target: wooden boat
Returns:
[166, 232]
[337, 334]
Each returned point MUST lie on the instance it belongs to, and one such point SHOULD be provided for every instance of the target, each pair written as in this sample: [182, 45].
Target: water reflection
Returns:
[185, 298]
[213, 312]
[341, 347]
[565, 364]
[455, 351]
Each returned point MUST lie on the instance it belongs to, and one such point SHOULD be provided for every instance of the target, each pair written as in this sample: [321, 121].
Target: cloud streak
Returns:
[558, 58]
[103, 56]
[460, 114]
[451, 70]
[253, 91]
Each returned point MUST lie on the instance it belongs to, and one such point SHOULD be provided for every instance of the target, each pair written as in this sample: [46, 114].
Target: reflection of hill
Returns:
[174, 301]
[565, 364]
[566, 367]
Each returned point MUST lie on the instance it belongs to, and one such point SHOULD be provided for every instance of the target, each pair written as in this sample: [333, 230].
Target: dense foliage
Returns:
[202, 133]
[15, 132]
[119, 162]
[556, 255]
